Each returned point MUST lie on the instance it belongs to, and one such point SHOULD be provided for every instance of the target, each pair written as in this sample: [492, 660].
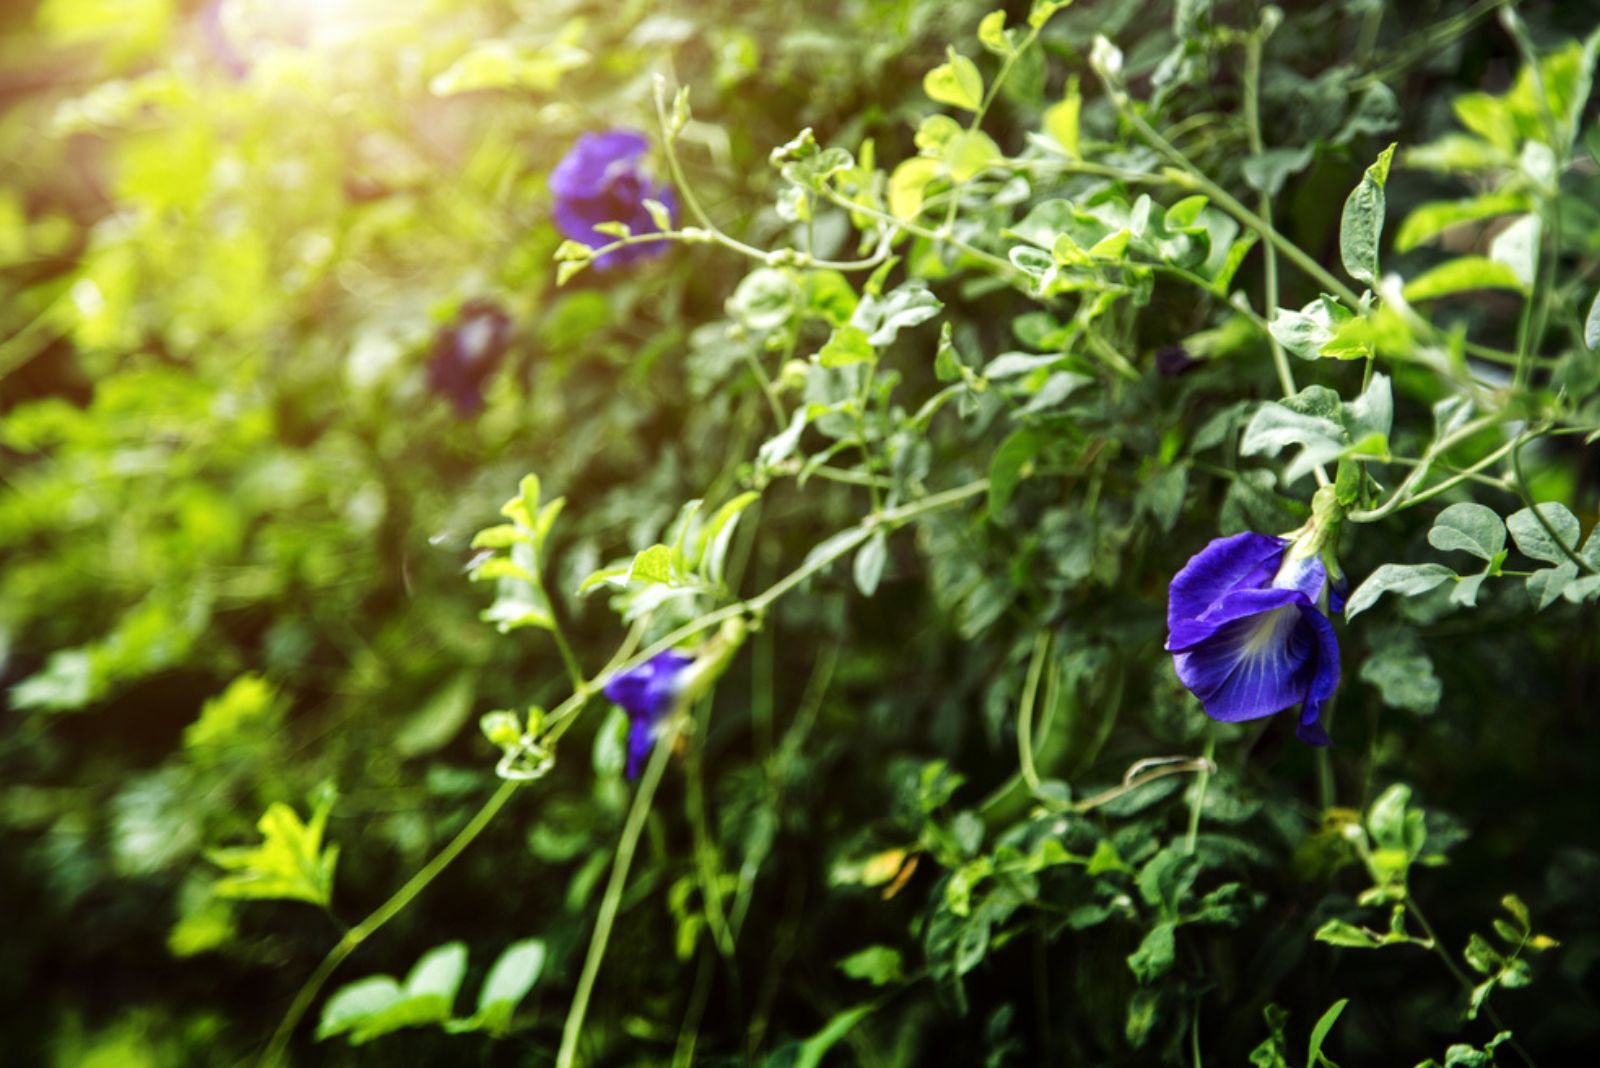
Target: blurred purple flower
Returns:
[220, 44]
[603, 179]
[1248, 633]
[647, 693]
[1174, 360]
[466, 353]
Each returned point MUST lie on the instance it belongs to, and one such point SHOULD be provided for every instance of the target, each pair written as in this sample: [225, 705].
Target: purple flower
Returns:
[602, 179]
[647, 693]
[1248, 633]
[466, 353]
[1174, 360]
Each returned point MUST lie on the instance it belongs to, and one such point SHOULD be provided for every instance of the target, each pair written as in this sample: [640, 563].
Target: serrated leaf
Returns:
[291, 861]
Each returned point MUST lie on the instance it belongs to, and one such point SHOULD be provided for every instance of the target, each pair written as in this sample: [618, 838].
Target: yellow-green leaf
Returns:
[955, 82]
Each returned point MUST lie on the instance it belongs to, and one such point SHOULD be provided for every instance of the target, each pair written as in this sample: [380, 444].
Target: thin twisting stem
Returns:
[572, 1030]
[382, 915]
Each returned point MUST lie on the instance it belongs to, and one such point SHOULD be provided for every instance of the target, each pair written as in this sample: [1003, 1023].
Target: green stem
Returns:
[1030, 692]
[1252, 118]
[1400, 497]
[568, 658]
[1197, 179]
[572, 1030]
[1461, 977]
[562, 718]
[382, 915]
[1521, 483]
[1202, 780]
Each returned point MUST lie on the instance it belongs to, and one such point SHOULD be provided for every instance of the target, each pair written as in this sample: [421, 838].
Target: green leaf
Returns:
[1517, 247]
[440, 718]
[289, 863]
[1306, 331]
[1404, 676]
[1361, 224]
[992, 34]
[1340, 933]
[908, 185]
[353, 1004]
[510, 978]
[1395, 825]
[1458, 275]
[1267, 172]
[955, 82]
[882, 318]
[1011, 464]
[1545, 585]
[847, 345]
[1432, 219]
[1310, 419]
[1408, 580]
[1062, 119]
[765, 299]
[711, 544]
[499, 537]
[878, 965]
[1155, 954]
[969, 154]
[869, 562]
[1319, 1035]
[1534, 541]
[376, 1006]
[815, 1048]
[1470, 528]
[503, 64]
[652, 565]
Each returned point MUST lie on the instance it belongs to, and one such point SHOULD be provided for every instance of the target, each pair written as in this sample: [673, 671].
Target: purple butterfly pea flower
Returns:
[647, 693]
[466, 353]
[603, 179]
[1249, 634]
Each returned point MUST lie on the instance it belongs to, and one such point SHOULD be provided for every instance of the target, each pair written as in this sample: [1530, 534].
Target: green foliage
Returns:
[964, 329]
[373, 1007]
[291, 861]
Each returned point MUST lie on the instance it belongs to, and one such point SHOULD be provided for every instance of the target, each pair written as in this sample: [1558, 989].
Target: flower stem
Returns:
[382, 915]
[572, 1030]
[1202, 780]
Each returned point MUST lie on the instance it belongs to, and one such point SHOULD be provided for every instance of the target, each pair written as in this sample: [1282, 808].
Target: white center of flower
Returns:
[1269, 631]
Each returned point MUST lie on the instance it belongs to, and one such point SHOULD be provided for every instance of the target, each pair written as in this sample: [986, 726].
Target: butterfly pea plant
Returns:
[1077, 541]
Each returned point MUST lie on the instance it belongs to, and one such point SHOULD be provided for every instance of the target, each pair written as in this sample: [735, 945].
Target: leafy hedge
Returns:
[740, 632]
